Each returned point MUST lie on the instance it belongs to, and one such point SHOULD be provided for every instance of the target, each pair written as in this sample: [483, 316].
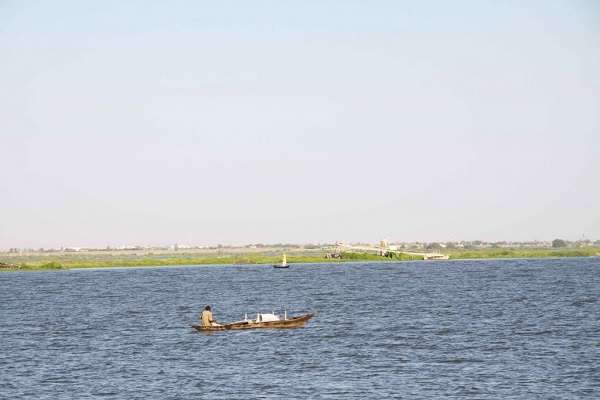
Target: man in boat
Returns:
[207, 317]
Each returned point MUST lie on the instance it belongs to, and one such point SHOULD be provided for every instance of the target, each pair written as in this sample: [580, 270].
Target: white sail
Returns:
[284, 261]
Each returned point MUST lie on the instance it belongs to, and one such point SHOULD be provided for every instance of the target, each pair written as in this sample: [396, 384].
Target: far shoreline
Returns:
[357, 258]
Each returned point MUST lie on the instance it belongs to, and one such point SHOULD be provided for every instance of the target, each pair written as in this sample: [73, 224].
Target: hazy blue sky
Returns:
[237, 122]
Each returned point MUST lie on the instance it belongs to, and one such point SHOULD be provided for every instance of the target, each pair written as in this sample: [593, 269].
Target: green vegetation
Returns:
[149, 261]
[50, 265]
[457, 254]
[59, 261]
[35, 266]
[71, 261]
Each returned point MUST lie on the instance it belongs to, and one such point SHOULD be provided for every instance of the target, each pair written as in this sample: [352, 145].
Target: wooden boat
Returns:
[262, 321]
[283, 264]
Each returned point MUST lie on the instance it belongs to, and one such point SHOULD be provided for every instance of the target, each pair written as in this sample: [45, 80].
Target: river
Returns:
[495, 329]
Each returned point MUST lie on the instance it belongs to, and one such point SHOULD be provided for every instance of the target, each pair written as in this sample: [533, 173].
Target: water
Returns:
[510, 329]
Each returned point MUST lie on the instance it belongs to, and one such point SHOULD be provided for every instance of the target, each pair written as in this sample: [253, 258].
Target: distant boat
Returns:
[262, 321]
[283, 264]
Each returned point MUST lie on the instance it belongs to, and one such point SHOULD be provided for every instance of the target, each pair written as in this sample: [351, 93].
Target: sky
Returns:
[237, 122]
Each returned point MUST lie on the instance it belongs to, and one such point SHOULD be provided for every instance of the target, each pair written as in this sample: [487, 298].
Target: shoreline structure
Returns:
[40, 261]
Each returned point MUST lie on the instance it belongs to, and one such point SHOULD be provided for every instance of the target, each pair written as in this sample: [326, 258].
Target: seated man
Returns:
[207, 317]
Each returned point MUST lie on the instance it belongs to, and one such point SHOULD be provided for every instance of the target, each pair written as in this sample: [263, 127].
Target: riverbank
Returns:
[41, 262]
[244, 259]
[466, 254]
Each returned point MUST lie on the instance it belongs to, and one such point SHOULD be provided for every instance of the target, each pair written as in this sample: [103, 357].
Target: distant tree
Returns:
[433, 246]
[559, 243]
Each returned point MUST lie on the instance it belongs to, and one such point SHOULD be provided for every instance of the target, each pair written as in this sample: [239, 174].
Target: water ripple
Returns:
[511, 329]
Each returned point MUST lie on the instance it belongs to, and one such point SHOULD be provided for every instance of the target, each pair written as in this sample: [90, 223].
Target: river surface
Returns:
[495, 329]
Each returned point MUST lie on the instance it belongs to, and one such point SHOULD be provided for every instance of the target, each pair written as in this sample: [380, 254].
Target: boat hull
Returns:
[295, 322]
[281, 266]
